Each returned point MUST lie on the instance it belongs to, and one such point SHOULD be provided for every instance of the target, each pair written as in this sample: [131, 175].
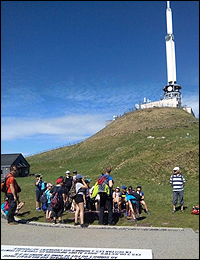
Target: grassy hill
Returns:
[142, 147]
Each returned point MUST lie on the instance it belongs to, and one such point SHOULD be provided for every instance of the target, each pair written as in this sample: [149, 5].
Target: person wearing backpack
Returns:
[57, 210]
[106, 199]
[12, 195]
[81, 186]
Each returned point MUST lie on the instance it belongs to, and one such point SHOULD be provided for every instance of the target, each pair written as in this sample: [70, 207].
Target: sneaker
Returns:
[182, 211]
[76, 223]
[148, 213]
[38, 209]
[54, 222]
[173, 211]
[111, 224]
[60, 222]
[133, 220]
[13, 223]
[84, 225]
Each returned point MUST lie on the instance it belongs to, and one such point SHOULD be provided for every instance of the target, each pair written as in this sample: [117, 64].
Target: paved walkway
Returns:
[165, 243]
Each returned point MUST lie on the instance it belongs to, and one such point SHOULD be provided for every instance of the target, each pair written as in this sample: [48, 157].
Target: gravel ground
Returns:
[165, 243]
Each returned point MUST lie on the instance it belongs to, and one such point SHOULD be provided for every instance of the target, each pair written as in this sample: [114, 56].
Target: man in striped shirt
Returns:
[178, 182]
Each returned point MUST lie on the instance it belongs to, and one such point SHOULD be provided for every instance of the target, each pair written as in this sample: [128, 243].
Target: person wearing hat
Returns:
[58, 212]
[38, 190]
[81, 186]
[177, 181]
[49, 208]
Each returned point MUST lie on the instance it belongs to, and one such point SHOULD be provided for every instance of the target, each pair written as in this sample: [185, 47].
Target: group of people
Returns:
[129, 200]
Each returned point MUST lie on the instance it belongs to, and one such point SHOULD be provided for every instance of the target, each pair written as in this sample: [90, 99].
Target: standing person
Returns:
[81, 186]
[177, 181]
[12, 195]
[49, 208]
[68, 184]
[106, 200]
[73, 205]
[58, 212]
[38, 190]
[88, 193]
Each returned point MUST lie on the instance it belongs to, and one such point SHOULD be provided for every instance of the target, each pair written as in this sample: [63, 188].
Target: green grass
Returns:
[135, 160]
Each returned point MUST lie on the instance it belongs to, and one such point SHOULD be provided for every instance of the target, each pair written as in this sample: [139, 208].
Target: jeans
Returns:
[105, 200]
[12, 207]
[177, 194]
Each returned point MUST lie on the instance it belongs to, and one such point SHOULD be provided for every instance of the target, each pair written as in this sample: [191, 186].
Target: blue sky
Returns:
[68, 66]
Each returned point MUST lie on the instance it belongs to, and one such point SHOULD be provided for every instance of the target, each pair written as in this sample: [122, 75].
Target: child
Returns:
[116, 199]
[49, 209]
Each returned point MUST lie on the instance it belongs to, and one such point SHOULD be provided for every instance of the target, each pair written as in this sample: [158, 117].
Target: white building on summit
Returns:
[172, 94]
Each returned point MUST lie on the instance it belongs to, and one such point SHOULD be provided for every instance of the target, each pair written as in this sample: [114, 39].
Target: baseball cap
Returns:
[59, 180]
[124, 187]
[38, 175]
[49, 184]
[176, 169]
[79, 176]
[68, 172]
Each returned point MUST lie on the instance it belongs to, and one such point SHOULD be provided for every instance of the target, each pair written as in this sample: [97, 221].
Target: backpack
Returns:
[55, 200]
[3, 185]
[72, 191]
[43, 186]
[4, 188]
[43, 198]
[195, 210]
[100, 186]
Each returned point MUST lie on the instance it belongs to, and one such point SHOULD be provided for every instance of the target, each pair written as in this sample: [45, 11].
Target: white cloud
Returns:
[69, 127]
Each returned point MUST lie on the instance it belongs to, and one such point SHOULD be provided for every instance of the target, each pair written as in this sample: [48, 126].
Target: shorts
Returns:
[49, 208]
[79, 198]
[38, 195]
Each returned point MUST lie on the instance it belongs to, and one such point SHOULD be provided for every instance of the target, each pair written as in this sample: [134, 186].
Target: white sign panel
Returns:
[36, 252]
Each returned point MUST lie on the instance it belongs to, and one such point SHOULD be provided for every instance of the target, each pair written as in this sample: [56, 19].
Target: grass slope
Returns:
[142, 147]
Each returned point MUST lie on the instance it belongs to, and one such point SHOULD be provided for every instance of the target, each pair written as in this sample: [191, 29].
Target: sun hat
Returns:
[176, 169]
[79, 176]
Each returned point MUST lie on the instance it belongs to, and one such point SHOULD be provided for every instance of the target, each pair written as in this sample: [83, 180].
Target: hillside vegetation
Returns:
[142, 147]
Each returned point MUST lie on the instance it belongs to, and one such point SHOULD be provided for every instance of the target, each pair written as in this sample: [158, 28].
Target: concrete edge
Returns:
[97, 226]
